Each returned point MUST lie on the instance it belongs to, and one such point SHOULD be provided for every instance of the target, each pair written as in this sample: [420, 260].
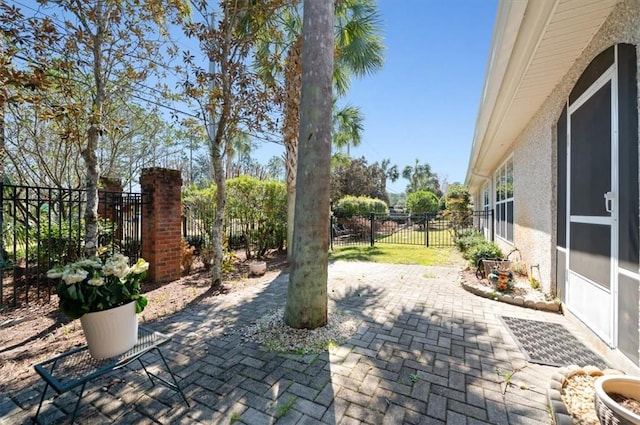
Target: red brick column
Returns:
[161, 223]
[108, 199]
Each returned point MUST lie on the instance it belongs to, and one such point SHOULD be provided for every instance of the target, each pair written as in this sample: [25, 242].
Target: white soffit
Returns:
[550, 36]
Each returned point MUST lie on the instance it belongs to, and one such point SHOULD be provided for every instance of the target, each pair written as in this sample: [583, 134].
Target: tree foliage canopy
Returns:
[422, 201]
[421, 177]
[356, 178]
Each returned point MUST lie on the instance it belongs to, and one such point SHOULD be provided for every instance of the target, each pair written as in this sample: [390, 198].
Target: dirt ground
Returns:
[30, 335]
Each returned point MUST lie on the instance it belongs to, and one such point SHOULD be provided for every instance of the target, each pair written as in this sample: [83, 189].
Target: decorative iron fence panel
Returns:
[121, 222]
[44, 226]
[435, 230]
[254, 236]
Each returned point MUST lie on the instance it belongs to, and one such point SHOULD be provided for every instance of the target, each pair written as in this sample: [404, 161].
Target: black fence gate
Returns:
[435, 230]
[43, 227]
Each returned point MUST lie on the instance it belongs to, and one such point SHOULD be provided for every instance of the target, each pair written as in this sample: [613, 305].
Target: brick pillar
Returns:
[108, 200]
[161, 223]
[109, 184]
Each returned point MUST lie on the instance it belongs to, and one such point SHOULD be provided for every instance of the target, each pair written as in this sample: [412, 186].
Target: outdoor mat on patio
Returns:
[550, 344]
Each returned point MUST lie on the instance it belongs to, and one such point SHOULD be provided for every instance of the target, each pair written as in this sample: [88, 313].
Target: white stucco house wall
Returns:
[555, 155]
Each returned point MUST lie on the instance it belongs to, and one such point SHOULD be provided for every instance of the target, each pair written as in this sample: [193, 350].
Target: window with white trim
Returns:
[504, 200]
[486, 206]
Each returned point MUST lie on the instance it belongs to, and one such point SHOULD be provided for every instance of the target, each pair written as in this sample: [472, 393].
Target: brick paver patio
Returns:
[426, 352]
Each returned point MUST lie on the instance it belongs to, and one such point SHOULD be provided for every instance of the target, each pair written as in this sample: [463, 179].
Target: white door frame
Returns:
[581, 290]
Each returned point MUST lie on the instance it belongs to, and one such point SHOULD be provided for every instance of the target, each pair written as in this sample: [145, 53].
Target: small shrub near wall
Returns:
[475, 247]
[466, 239]
[483, 249]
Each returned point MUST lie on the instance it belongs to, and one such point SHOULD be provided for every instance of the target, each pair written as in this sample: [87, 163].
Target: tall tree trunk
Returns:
[3, 146]
[93, 137]
[217, 150]
[3, 102]
[307, 295]
[93, 175]
[293, 83]
[221, 199]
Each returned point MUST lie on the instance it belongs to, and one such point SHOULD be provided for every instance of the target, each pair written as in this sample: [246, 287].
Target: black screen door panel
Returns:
[590, 179]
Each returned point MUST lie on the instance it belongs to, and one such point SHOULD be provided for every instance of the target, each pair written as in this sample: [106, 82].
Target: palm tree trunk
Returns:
[307, 295]
[293, 83]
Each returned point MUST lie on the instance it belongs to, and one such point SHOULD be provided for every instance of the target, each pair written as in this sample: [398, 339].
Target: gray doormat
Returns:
[550, 344]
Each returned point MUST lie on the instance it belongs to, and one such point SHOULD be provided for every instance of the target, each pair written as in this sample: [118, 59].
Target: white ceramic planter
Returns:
[627, 386]
[111, 332]
[257, 268]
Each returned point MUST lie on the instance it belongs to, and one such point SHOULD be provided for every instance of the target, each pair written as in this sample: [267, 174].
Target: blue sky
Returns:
[423, 103]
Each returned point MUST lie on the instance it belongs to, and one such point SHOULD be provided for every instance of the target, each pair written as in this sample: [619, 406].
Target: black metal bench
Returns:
[76, 367]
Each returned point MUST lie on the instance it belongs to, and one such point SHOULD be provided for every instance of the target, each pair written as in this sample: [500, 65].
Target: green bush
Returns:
[259, 208]
[351, 206]
[199, 207]
[458, 208]
[255, 215]
[468, 240]
[483, 250]
[468, 232]
[422, 202]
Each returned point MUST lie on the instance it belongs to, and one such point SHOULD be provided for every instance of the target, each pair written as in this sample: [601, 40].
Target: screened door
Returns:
[592, 202]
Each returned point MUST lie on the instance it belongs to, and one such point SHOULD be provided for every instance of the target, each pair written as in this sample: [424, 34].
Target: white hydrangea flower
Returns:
[90, 262]
[96, 280]
[117, 265]
[140, 267]
[73, 275]
[55, 273]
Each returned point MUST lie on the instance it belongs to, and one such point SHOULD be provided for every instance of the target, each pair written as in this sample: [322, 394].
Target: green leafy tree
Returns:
[421, 177]
[458, 208]
[276, 167]
[307, 299]
[347, 127]
[358, 52]
[103, 48]
[422, 202]
[229, 98]
[356, 178]
[389, 172]
[22, 80]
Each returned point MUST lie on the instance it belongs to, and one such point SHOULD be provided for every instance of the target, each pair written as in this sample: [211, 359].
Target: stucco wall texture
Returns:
[534, 152]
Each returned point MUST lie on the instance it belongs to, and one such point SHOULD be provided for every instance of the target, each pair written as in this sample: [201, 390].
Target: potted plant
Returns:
[105, 295]
[617, 399]
[502, 280]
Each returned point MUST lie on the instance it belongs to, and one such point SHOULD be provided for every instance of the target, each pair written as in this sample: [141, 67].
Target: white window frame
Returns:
[504, 198]
[486, 207]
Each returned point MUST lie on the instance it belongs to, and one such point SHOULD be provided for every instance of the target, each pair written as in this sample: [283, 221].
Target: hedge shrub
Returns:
[351, 206]
[483, 249]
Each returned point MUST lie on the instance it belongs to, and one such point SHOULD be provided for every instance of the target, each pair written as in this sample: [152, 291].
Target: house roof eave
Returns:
[530, 54]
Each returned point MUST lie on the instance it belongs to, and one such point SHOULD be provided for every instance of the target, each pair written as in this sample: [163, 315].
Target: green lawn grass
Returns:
[441, 237]
[397, 254]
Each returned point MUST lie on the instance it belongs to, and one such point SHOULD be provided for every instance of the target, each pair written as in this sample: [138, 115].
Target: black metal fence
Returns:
[121, 222]
[255, 237]
[44, 226]
[434, 230]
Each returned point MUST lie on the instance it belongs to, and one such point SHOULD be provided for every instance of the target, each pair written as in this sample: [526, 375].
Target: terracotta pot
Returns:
[111, 332]
[608, 410]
